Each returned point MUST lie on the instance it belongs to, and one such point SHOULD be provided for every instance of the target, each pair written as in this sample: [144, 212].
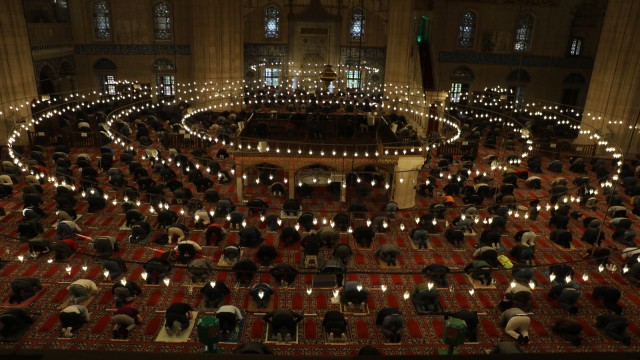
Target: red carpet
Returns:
[362, 329]
[375, 279]
[257, 330]
[94, 272]
[310, 329]
[321, 302]
[538, 328]
[396, 279]
[7, 270]
[154, 298]
[489, 328]
[49, 324]
[106, 298]
[178, 297]
[414, 329]
[438, 326]
[153, 326]
[178, 275]
[392, 301]
[31, 270]
[60, 296]
[462, 301]
[297, 302]
[101, 324]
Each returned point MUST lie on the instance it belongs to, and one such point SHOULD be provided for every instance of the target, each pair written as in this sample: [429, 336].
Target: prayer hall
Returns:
[335, 178]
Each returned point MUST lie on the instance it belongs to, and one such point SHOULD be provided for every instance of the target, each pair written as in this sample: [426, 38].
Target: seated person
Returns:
[132, 216]
[567, 297]
[231, 253]
[105, 246]
[506, 347]
[561, 271]
[214, 293]
[425, 298]
[311, 244]
[284, 274]
[306, 221]
[342, 252]
[81, 290]
[342, 221]
[390, 209]
[517, 295]
[392, 323]
[615, 327]
[454, 236]
[245, 271]
[522, 254]
[291, 207]
[250, 236]
[354, 295]
[388, 253]
[177, 232]
[609, 296]
[140, 232]
[470, 318]
[516, 324]
[526, 237]
[522, 274]
[65, 248]
[277, 188]
[358, 210]
[380, 224]
[201, 269]
[480, 270]
[214, 234]
[562, 237]
[235, 219]
[14, 321]
[23, 288]
[228, 317]
[177, 318]
[261, 294]
[569, 329]
[334, 266]
[599, 254]
[283, 324]
[39, 246]
[115, 267]
[334, 324]
[289, 235]
[272, 221]
[125, 292]
[72, 318]
[437, 273]
[67, 229]
[488, 254]
[328, 235]
[364, 236]
[257, 206]
[167, 217]
[187, 250]
[266, 254]
[125, 319]
[420, 237]
[156, 269]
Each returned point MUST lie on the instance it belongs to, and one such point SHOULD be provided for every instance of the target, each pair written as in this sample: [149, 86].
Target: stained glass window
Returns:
[271, 77]
[357, 24]
[271, 22]
[467, 29]
[165, 85]
[101, 20]
[162, 21]
[576, 47]
[353, 79]
[524, 33]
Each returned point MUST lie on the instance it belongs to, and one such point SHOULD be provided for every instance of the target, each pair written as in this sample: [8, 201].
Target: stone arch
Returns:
[47, 80]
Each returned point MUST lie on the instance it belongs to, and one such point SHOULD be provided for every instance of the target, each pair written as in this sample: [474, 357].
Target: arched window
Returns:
[524, 33]
[162, 21]
[271, 22]
[357, 24]
[101, 20]
[467, 29]
[105, 71]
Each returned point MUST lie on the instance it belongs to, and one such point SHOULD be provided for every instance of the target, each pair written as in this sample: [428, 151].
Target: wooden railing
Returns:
[459, 148]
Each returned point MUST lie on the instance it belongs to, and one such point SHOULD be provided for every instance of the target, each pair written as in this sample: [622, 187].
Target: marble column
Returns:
[613, 98]
[18, 85]
[405, 179]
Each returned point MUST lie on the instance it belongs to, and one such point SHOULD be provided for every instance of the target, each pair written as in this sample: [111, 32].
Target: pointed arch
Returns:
[467, 29]
[162, 21]
[271, 22]
[101, 16]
